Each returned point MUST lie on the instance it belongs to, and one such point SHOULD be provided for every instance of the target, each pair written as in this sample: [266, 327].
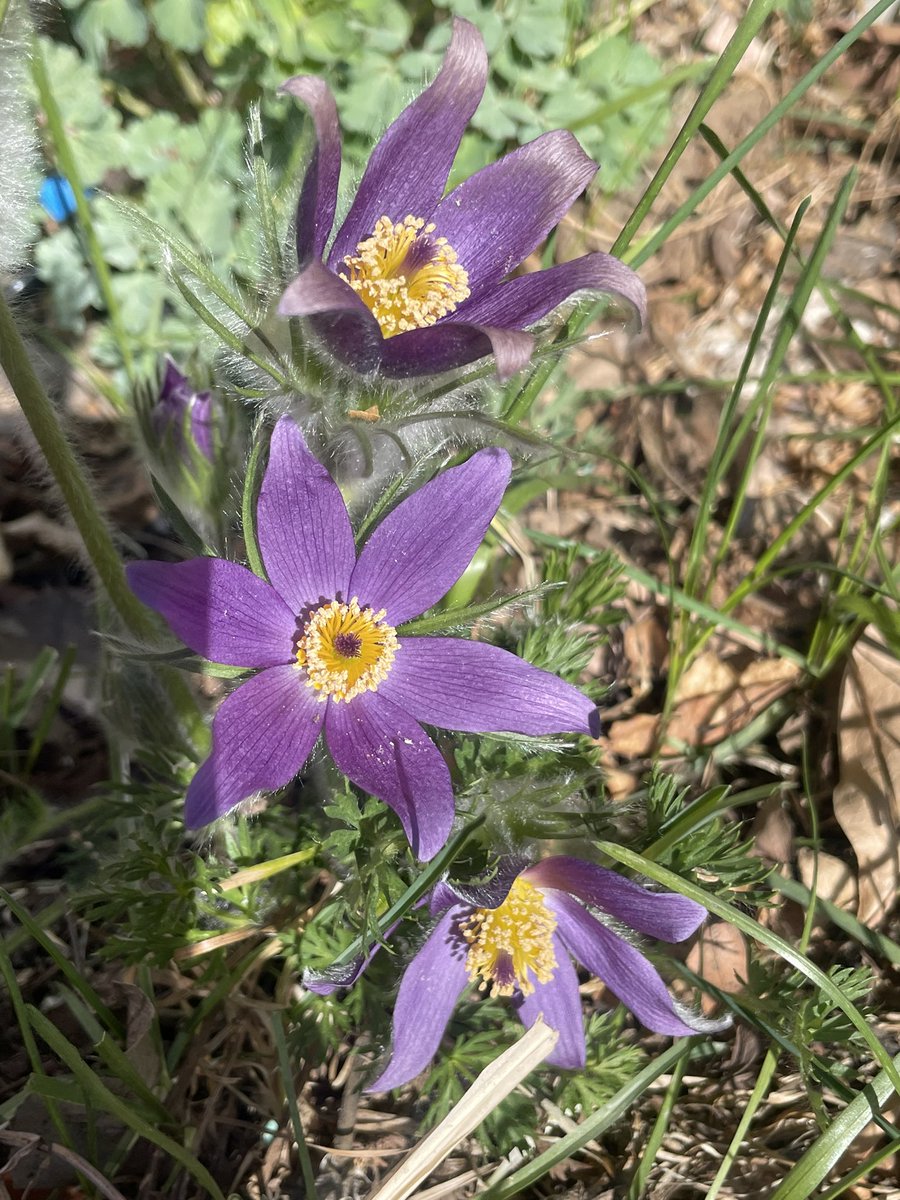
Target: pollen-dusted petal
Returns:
[420, 549]
[522, 301]
[430, 987]
[318, 191]
[453, 343]
[559, 1003]
[499, 215]
[262, 735]
[474, 687]
[663, 915]
[386, 753]
[302, 526]
[622, 967]
[408, 169]
[219, 609]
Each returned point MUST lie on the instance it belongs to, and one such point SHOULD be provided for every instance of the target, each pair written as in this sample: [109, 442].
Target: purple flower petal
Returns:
[430, 987]
[202, 420]
[318, 191]
[621, 967]
[421, 548]
[303, 529]
[559, 1003]
[408, 169]
[522, 301]
[175, 386]
[386, 753]
[336, 313]
[262, 735]
[477, 688]
[499, 215]
[450, 344]
[663, 915]
[219, 609]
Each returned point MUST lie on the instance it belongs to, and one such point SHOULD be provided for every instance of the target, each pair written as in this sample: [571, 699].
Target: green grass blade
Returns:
[761, 1087]
[804, 1178]
[748, 27]
[20, 1011]
[50, 708]
[657, 1133]
[66, 968]
[727, 444]
[607, 1114]
[116, 1059]
[861, 1170]
[773, 551]
[756, 135]
[876, 943]
[99, 1093]
[759, 933]
[287, 1081]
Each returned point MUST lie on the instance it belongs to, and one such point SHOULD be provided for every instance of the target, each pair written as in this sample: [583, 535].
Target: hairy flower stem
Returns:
[69, 168]
[72, 482]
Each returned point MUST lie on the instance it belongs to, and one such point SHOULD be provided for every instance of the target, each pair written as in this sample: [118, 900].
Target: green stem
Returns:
[69, 168]
[69, 476]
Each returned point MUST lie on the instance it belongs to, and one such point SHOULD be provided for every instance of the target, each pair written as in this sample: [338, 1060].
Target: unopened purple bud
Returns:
[183, 415]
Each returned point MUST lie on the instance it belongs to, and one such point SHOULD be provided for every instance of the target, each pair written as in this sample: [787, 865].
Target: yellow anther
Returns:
[406, 277]
[346, 650]
[508, 942]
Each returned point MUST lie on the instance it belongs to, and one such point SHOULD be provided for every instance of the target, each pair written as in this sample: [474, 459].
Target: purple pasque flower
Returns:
[322, 633]
[415, 282]
[517, 938]
[183, 416]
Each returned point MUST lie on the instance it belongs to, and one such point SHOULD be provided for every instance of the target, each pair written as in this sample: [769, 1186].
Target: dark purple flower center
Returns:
[348, 645]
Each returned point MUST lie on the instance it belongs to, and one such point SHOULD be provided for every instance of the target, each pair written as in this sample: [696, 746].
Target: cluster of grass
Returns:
[158, 1026]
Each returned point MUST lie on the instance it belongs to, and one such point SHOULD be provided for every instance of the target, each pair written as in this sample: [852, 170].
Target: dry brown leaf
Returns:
[646, 648]
[633, 737]
[620, 784]
[835, 880]
[707, 676]
[714, 701]
[720, 956]
[866, 800]
[773, 831]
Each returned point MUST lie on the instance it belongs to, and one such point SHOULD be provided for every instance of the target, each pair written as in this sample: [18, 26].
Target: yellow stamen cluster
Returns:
[346, 650]
[507, 942]
[406, 290]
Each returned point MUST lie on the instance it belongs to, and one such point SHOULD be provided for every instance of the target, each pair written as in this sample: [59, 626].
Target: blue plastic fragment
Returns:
[56, 197]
